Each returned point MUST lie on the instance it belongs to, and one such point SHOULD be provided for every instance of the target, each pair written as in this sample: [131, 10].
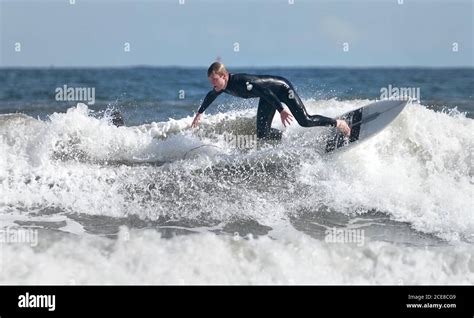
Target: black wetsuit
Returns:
[273, 91]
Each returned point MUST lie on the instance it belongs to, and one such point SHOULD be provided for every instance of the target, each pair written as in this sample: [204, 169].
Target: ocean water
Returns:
[154, 202]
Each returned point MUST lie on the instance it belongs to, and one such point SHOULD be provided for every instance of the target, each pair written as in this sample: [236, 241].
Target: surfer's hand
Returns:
[286, 117]
[196, 120]
[342, 126]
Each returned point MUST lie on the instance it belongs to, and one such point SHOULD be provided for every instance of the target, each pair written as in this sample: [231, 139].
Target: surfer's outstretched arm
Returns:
[218, 78]
[210, 97]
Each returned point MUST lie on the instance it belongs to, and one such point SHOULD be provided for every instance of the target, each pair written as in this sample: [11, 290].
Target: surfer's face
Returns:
[217, 81]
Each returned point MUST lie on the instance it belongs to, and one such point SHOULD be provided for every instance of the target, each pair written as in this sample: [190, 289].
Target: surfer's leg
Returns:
[298, 110]
[265, 113]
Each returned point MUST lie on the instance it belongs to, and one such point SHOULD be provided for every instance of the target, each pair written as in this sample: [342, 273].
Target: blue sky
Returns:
[267, 33]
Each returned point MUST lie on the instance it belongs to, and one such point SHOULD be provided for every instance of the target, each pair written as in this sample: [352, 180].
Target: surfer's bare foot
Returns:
[342, 126]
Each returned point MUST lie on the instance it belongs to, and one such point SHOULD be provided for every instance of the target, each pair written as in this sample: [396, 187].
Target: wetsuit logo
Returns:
[249, 86]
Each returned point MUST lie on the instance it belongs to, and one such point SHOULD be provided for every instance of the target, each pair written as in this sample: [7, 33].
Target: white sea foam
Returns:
[418, 170]
[142, 257]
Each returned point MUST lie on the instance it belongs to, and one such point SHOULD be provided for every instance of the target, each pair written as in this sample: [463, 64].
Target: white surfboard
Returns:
[365, 122]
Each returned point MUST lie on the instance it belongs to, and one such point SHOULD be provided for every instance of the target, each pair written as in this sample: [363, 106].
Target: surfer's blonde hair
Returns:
[216, 68]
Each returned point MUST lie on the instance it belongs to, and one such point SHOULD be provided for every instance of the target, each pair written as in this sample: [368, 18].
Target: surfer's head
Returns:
[218, 76]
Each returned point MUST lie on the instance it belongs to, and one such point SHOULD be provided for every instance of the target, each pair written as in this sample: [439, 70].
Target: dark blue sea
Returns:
[147, 94]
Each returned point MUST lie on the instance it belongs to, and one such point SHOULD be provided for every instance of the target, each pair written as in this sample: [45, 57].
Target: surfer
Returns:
[272, 91]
